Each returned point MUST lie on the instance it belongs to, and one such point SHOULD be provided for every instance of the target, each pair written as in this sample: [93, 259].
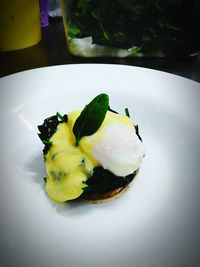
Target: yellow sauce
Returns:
[69, 166]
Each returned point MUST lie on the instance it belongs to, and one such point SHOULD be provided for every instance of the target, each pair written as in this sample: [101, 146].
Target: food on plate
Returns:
[91, 153]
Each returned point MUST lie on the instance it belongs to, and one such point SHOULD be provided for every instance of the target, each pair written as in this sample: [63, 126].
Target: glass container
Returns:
[132, 28]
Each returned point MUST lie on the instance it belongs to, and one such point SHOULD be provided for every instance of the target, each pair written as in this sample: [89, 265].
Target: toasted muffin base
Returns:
[107, 195]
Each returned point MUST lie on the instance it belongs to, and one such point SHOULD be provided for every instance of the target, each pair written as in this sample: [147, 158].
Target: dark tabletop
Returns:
[53, 51]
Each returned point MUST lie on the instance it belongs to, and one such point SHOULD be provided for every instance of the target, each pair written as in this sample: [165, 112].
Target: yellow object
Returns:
[19, 24]
[67, 166]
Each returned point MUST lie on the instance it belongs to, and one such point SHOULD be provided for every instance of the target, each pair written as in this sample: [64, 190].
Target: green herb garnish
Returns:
[91, 117]
[137, 132]
[47, 129]
[47, 142]
[62, 118]
[127, 112]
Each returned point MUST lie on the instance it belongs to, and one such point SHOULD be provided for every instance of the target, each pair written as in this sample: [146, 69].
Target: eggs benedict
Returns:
[91, 153]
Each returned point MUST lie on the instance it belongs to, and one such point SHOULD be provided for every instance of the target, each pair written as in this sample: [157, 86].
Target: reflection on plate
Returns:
[155, 223]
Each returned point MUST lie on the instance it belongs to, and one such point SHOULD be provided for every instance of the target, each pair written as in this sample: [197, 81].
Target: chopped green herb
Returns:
[47, 142]
[127, 112]
[60, 116]
[137, 132]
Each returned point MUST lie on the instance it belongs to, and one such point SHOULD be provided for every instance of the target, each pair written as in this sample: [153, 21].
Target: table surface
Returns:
[52, 50]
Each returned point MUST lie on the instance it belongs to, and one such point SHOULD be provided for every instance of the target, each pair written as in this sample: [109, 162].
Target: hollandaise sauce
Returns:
[67, 165]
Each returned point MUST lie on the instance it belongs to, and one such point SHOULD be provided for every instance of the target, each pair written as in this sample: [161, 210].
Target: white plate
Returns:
[155, 223]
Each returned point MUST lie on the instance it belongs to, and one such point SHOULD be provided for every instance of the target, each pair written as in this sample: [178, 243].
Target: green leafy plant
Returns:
[48, 128]
[91, 117]
[102, 181]
[157, 27]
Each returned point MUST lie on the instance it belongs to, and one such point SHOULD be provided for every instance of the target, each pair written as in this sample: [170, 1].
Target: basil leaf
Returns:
[91, 117]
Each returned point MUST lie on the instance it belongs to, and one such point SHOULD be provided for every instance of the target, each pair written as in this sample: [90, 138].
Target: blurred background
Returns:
[158, 34]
